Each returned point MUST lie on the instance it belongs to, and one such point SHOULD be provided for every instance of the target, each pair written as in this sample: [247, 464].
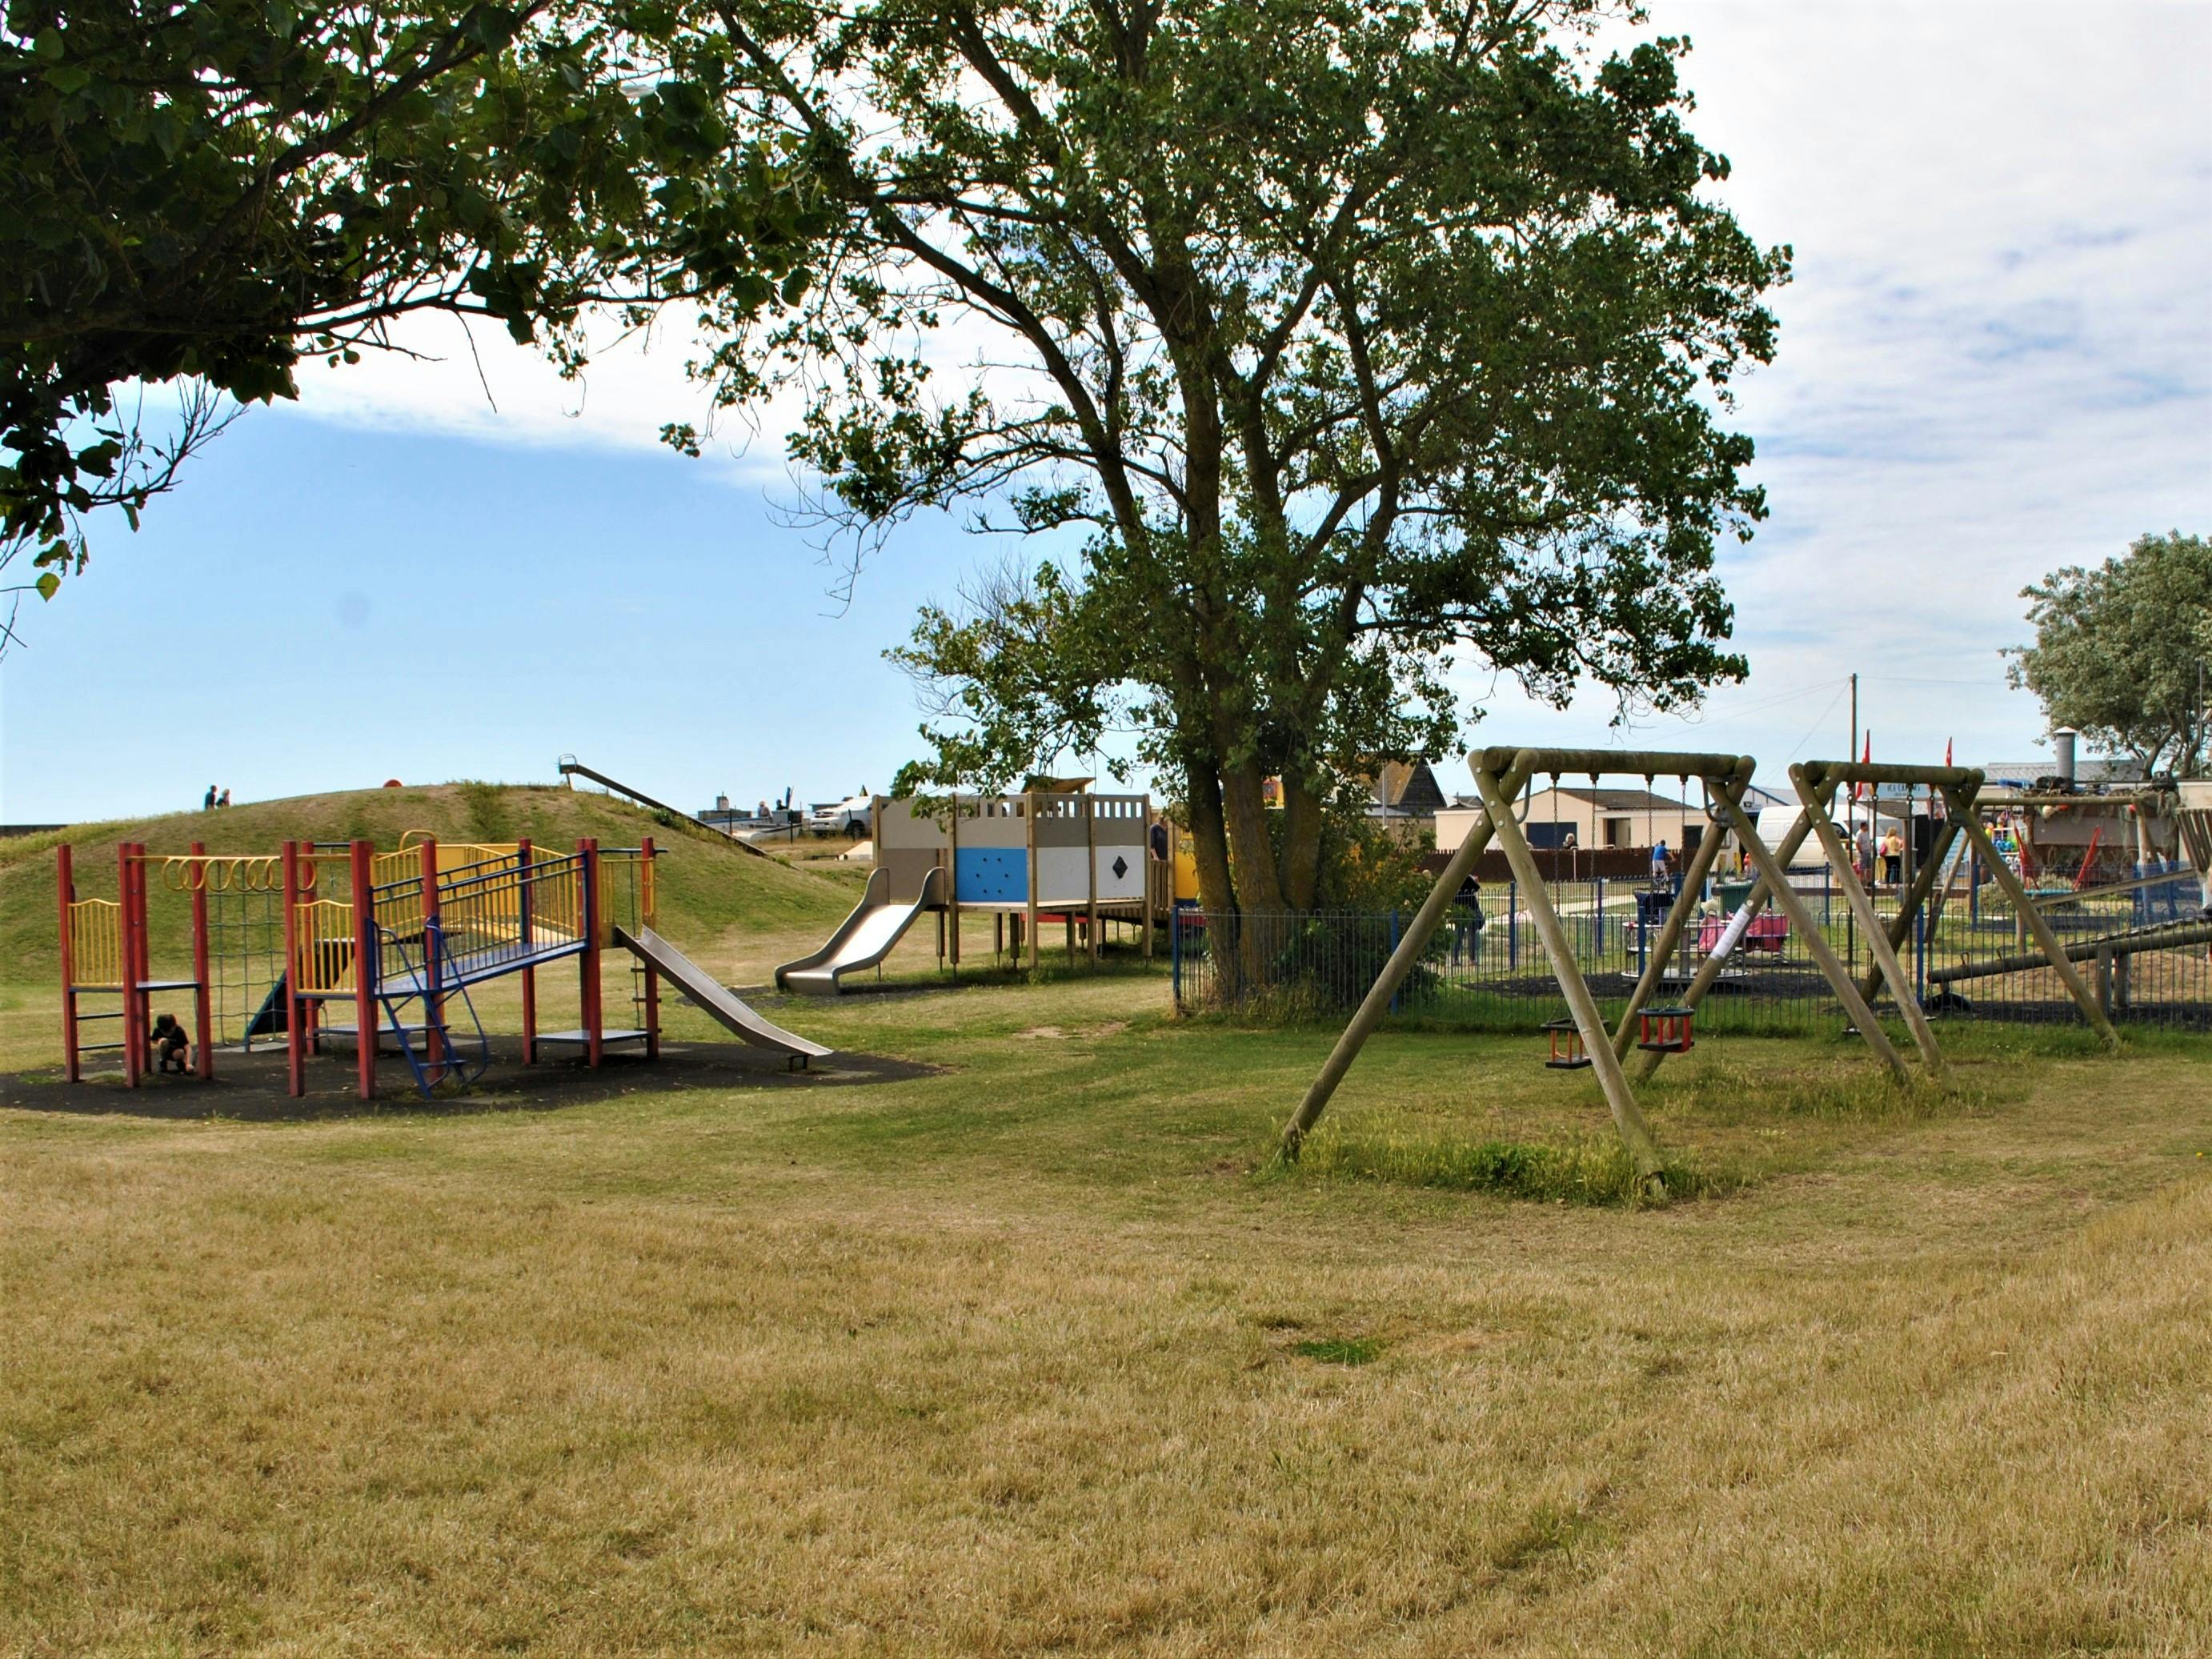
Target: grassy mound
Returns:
[705, 889]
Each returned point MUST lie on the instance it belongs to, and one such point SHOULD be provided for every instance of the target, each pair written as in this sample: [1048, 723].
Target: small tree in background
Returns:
[2123, 652]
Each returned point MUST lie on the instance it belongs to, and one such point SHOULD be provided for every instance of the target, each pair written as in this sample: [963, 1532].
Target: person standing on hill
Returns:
[208, 806]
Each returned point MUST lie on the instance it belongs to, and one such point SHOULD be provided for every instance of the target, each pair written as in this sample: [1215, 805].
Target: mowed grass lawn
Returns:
[1031, 1352]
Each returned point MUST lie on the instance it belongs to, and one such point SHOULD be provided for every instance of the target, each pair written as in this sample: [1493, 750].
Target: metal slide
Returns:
[863, 939]
[703, 989]
[573, 768]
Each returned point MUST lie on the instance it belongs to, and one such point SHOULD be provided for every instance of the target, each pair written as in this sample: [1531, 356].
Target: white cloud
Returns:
[1996, 357]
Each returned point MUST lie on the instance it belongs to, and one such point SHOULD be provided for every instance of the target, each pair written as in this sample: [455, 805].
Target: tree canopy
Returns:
[1330, 343]
[2123, 652]
[200, 192]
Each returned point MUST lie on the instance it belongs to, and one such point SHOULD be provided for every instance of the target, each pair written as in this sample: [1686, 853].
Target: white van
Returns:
[850, 817]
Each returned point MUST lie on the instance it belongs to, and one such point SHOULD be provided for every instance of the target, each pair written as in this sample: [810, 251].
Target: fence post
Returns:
[1513, 926]
[1397, 997]
[367, 964]
[1175, 952]
[2105, 980]
[1920, 954]
[1598, 916]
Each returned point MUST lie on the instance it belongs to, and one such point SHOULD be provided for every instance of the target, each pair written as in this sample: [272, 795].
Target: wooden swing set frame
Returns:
[1582, 1039]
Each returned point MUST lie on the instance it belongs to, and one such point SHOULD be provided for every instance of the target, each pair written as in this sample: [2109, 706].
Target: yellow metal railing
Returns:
[96, 944]
[556, 900]
[322, 948]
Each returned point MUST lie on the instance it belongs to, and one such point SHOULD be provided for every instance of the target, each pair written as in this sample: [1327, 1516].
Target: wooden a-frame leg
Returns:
[1839, 976]
[1709, 970]
[2024, 909]
[1597, 1042]
[1377, 1003]
[1917, 895]
[1670, 935]
[1878, 944]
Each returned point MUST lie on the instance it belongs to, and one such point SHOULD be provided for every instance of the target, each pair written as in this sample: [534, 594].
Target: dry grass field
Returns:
[1021, 1347]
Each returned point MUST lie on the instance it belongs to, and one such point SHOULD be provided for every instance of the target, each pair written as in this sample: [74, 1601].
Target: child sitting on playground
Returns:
[166, 1041]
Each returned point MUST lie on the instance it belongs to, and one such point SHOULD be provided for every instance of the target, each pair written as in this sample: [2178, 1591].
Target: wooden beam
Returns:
[1597, 1042]
[1601, 762]
[1029, 924]
[2024, 911]
[1920, 893]
[1816, 798]
[1755, 900]
[1777, 880]
[1670, 933]
[1150, 916]
[1377, 1003]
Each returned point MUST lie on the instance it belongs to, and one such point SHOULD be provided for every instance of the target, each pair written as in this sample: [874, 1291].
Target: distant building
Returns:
[1595, 817]
[2094, 772]
[1405, 789]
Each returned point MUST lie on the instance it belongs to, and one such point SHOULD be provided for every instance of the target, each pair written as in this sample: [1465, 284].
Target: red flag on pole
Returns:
[1867, 759]
[1947, 751]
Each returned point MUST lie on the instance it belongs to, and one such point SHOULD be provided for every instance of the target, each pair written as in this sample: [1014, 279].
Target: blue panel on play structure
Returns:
[991, 875]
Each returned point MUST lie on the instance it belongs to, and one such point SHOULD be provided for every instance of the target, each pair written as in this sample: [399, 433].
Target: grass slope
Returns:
[707, 891]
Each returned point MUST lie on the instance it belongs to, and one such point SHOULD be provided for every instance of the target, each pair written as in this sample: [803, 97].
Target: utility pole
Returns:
[1852, 823]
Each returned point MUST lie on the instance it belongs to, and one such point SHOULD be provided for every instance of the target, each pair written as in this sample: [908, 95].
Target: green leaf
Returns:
[49, 584]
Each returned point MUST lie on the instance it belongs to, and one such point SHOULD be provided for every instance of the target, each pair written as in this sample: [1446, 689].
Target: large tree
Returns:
[1335, 339]
[199, 191]
[2121, 652]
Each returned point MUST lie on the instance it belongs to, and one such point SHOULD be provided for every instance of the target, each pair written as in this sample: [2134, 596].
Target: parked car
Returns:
[853, 815]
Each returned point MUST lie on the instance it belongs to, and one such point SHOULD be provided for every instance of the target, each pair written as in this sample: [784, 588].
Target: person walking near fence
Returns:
[1467, 919]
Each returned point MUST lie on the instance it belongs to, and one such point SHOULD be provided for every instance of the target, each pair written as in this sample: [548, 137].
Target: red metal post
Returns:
[295, 1049]
[587, 856]
[126, 955]
[651, 975]
[365, 966]
[204, 1023]
[522, 938]
[433, 998]
[67, 881]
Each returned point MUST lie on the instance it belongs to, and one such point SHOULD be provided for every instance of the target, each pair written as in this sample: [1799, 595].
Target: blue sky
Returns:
[1997, 358]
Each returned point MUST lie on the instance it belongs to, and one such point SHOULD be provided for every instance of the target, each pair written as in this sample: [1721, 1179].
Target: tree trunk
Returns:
[1217, 890]
[1302, 829]
[1252, 854]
